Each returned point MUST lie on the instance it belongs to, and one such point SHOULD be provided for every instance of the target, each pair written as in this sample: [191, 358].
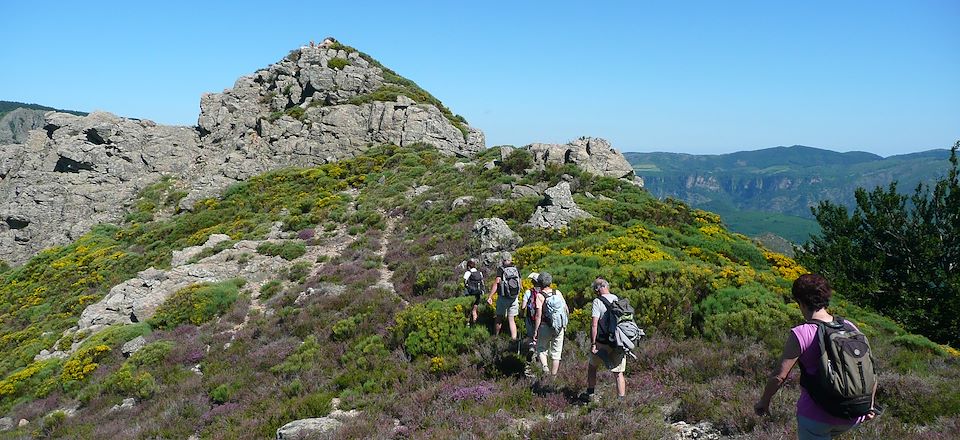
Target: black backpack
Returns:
[510, 282]
[474, 283]
[619, 316]
[845, 379]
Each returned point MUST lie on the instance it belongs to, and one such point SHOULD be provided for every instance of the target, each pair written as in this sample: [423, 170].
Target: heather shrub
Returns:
[270, 289]
[436, 328]
[288, 250]
[197, 304]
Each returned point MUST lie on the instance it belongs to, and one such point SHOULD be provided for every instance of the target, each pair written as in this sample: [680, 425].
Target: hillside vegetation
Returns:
[222, 360]
[772, 190]
[8, 106]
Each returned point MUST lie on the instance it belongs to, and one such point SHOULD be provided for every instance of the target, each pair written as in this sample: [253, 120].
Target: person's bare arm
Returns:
[593, 334]
[493, 288]
[791, 352]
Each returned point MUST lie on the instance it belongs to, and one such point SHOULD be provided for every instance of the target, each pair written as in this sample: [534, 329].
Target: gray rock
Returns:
[127, 403]
[528, 190]
[494, 235]
[462, 201]
[132, 346]
[557, 209]
[15, 125]
[593, 155]
[438, 258]
[703, 430]
[6, 424]
[22, 423]
[506, 151]
[308, 428]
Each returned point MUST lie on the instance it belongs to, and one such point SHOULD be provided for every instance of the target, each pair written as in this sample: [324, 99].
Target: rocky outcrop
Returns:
[15, 126]
[593, 155]
[81, 171]
[316, 106]
[495, 240]
[137, 299]
[304, 429]
[320, 105]
[557, 209]
[132, 346]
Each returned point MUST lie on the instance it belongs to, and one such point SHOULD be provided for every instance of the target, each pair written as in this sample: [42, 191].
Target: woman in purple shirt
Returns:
[812, 293]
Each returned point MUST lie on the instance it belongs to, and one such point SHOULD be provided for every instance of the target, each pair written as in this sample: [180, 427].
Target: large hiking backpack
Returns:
[474, 283]
[510, 282]
[617, 327]
[555, 312]
[845, 378]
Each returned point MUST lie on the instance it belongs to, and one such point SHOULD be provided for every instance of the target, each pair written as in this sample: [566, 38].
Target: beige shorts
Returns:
[548, 343]
[613, 359]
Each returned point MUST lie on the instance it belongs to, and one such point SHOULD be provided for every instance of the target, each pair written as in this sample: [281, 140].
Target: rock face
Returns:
[81, 171]
[315, 106]
[15, 126]
[308, 428]
[593, 155]
[132, 346]
[557, 209]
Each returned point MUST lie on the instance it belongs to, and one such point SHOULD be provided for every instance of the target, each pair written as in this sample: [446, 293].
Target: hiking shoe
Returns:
[588, 398]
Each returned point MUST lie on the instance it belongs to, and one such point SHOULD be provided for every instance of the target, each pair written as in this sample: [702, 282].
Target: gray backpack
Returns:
[555, 312]
[845, 378]
[510, 282]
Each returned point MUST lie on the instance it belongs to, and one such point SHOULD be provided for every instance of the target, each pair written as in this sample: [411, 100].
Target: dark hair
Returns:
[812, 290]
[471, 264]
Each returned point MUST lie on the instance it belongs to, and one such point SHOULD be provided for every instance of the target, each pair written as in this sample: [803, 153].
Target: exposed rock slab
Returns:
[494, 235]
[15, 125]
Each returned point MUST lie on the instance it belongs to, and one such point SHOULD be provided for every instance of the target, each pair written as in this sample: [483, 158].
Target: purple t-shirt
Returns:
[809, 354]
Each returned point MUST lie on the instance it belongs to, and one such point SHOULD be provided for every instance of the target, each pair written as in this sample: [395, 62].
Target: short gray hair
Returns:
[600, 283]
[545, 279]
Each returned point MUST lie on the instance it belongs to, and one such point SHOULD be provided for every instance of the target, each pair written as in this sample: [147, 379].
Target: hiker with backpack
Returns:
[550, 320]
[507, 288]
[602, 351]
[473, 286]
[837, 377]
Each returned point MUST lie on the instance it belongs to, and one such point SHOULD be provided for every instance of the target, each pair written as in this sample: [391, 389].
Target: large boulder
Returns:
[305, 429]
[557, 209]
[494, 235]
[594, 155]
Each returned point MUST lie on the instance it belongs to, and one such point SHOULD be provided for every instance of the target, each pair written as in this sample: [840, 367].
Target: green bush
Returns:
[346, 328]
[517, 162]
[270, 289]
[197, 304]
[437, 328]
[751, 311]
[338, 63]
[288, 250]
[919, 343]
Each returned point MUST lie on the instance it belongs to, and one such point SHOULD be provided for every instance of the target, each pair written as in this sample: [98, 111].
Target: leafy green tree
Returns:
[896, 253]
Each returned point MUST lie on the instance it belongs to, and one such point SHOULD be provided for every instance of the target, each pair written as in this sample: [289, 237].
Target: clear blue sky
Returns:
[697, 77]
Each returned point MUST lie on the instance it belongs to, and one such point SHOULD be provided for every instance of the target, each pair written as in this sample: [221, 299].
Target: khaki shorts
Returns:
[613, 359]
[507, 306]
[548, 343]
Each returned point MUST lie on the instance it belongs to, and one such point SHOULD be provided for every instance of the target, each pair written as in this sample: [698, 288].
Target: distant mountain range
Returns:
[772, 190]
[18, 118]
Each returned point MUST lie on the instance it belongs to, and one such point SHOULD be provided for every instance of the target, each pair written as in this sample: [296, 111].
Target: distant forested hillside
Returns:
[8, 106]
[772, 190]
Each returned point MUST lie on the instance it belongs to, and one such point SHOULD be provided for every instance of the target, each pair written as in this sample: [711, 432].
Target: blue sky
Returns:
[698, 77]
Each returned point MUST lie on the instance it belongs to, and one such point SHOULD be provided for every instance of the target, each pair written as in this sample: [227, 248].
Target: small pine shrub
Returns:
[270, 289]
[288, 250]
[338, 63]
[517, 162]
[197, 304]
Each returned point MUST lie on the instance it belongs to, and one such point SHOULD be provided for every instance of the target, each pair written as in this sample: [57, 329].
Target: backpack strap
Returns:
[605, 302]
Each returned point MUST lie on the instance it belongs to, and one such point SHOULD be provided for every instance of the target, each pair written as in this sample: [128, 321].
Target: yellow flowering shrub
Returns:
[784, 266]
[83, 362]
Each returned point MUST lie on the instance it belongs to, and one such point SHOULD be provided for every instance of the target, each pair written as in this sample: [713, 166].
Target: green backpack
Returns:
[845, 379]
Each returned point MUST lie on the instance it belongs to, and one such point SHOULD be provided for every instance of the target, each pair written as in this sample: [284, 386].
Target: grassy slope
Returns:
[715, 305]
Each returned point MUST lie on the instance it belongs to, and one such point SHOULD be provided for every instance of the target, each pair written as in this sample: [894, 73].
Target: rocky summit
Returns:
[315, 106]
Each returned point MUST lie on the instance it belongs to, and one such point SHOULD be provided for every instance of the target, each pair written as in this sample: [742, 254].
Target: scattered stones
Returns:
[132, 346]
[462, 201]
[6, 423]
[22, 423]
[126, 404]
[703, 430]
[557, 209]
